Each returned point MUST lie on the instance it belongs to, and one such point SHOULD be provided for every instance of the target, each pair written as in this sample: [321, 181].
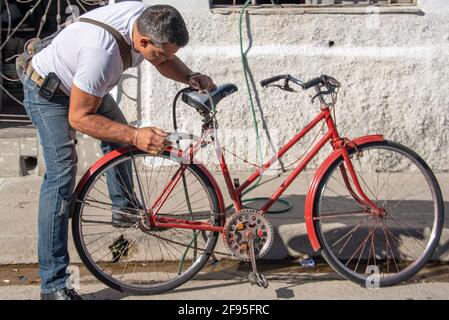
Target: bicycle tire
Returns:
[154, 289]
[434, 237]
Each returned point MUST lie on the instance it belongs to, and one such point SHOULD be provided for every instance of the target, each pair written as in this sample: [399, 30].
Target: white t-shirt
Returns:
[87, 55]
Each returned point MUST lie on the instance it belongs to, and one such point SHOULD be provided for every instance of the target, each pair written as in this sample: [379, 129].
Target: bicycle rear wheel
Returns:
[379, 250]
[133, 259]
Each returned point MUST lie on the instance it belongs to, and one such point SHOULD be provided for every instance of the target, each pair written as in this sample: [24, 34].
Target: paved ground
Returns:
[19, 280]
[18, 219]
[230, 282]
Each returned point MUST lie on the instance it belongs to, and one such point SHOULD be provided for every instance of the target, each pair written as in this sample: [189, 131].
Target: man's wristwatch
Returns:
[192, 74]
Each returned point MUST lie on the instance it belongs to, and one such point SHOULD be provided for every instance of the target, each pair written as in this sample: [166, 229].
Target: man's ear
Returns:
[144, 42]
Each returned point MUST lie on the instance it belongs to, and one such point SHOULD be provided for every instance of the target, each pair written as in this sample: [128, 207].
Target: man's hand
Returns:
[202, 82]
[176, 70]
[151, 140]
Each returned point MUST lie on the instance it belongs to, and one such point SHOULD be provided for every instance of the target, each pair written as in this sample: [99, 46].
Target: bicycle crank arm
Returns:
[255, 277]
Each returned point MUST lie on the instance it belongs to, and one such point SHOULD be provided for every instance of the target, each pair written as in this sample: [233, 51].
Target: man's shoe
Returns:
[62, 294]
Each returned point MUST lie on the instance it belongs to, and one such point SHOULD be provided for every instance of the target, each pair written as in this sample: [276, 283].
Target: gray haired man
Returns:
[87, 62]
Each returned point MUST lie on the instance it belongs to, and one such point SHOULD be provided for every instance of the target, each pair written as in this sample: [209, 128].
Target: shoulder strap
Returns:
[124, 47]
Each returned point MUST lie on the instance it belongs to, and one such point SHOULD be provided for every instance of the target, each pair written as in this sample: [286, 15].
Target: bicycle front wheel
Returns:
[108, 230]
[379, 250]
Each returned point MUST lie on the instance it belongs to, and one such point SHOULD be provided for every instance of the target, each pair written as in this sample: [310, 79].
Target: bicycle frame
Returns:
[249, 228]
[235, 193]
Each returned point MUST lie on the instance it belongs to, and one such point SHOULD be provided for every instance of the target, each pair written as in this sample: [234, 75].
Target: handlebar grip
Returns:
[312, 83]
[265, 82]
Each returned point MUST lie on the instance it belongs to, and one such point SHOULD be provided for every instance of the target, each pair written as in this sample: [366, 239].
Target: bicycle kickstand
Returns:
[254, 276]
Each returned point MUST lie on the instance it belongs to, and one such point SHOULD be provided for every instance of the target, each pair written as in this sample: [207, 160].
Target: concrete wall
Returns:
[393, 68]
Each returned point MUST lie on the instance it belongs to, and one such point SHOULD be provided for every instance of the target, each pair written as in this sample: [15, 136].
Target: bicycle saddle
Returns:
[201, 102]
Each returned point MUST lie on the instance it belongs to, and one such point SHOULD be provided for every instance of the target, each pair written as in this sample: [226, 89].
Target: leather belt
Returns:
[39, 80]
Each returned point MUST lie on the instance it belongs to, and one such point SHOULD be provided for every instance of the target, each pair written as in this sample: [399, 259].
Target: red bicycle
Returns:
[374, 207]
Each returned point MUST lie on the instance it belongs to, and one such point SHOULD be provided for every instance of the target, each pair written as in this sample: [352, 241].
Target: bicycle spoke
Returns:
[366, 185]
[413, 238]
[359, 247]
[108, 252]
[405, 224]
[394, 179]
[331, 215]
[388, 245]
[129, 196]
[351, 231]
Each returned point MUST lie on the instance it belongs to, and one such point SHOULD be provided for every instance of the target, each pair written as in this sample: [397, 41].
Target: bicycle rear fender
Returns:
[308, 212]
[173, 151]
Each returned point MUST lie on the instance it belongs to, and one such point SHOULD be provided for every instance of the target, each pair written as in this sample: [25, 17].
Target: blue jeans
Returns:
[57, 139]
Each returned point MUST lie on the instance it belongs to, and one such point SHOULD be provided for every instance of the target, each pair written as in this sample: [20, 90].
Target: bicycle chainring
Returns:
[240, 225]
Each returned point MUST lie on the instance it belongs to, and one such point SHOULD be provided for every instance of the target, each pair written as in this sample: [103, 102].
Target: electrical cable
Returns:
[248, 87]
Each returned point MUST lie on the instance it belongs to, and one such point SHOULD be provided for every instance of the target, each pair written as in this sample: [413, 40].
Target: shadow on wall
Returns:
[120, 91]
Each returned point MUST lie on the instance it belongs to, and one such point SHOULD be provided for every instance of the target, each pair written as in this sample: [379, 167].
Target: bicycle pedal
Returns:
[258, 279]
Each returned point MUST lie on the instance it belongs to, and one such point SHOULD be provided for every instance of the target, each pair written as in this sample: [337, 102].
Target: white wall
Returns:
[394, 70]
[433, 5]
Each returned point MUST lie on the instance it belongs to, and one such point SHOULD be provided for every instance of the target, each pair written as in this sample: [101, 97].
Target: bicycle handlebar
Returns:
[323, 79]
[288, 77]
[266, 82]
[312, 83]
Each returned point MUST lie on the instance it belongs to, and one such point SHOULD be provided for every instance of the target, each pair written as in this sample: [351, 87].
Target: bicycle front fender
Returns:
[123, 150]
[96, 166]
[311, 192]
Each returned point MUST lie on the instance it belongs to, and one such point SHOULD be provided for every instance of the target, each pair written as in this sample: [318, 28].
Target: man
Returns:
[87, 60]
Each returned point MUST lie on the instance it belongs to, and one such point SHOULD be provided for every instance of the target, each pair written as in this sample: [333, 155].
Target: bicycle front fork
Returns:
[361, 198]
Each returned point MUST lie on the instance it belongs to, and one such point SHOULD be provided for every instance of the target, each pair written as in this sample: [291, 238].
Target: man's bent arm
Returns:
[82, 117]
[173, 69]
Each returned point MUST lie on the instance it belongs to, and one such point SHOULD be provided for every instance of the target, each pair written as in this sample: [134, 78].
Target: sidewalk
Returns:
[19, 199]
[18, 220]
[230, 283]
[240, 290]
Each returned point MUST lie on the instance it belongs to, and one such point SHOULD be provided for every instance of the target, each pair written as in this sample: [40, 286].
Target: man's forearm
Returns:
[174, 69]
[104, 129]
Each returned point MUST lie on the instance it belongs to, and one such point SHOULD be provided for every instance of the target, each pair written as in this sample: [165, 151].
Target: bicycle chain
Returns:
[182, 244]
[219, 215]
[199, 216]
[285, 167]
